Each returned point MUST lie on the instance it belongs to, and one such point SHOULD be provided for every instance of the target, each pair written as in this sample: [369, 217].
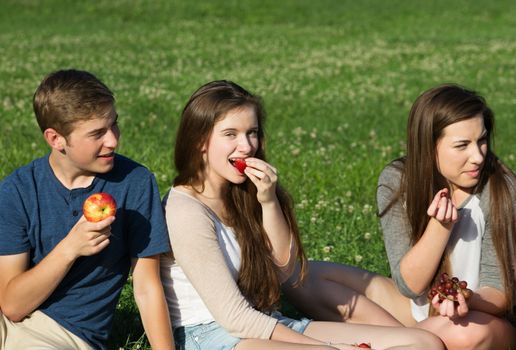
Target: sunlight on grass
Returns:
[337, 78]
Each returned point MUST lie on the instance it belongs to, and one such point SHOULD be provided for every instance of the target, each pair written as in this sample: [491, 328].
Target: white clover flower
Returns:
[298, 131]
[328, 249]
[358, 258]
[367, 236]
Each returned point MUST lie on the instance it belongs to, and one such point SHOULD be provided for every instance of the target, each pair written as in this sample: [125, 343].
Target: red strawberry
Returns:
[240, 165]
[364, 345]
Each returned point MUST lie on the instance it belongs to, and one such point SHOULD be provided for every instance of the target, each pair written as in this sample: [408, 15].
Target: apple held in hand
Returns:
[99, 206]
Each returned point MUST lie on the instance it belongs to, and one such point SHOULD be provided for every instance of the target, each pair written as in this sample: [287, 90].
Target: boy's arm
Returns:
[149, 296]
[24, 289]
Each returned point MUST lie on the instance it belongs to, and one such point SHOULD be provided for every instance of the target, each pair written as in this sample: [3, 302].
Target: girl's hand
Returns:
[449, 308]
[442, 209]
[264, 177]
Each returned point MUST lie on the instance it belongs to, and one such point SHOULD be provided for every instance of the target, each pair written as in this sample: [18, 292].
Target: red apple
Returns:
[99, 206]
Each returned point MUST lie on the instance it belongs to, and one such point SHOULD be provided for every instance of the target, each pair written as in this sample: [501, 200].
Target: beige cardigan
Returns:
[197, 251]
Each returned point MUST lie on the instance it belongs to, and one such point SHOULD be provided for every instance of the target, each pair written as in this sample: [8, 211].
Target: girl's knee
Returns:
[492, 336]
[427, 340]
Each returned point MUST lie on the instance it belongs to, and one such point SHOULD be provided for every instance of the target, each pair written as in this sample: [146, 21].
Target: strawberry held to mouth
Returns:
[240, 164]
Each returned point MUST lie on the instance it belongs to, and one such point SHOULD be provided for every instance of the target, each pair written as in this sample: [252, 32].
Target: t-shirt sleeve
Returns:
[146, 223]
[197, 251]
[14, 224]
[395, 226]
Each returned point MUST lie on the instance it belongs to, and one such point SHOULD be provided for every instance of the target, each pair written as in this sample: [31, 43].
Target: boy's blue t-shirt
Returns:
[37, 212]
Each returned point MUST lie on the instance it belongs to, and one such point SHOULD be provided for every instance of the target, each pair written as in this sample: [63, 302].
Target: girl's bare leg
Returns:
[478, 331]
[337, 292]
[379, 337]
[260, 344]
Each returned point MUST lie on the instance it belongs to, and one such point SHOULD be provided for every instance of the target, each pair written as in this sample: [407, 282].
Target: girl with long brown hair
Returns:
[448, 206]
[235, 239]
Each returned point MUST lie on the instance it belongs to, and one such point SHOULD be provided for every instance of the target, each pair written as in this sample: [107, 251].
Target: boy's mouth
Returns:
[106, 155]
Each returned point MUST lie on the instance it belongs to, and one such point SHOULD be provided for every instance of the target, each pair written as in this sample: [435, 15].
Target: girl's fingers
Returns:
[455, 214]
[432, 209]
[442, 207]
[463, 308]
[443, 308]
[267, 175]
[434, 205]
[449, 211]
[435, 302]
[262, 166]
[450, 308]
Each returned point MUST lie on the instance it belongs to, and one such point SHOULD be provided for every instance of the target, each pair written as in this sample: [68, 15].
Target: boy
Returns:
[60, 275]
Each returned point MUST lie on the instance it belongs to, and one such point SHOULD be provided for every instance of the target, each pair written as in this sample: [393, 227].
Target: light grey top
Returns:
[396, 232]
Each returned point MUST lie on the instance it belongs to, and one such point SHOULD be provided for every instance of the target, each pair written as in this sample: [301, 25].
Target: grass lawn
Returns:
[337, 77]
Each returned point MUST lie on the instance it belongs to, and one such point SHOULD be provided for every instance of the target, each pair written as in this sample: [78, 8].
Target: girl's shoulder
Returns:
[485, 195]
[179, 200]
[391, 174]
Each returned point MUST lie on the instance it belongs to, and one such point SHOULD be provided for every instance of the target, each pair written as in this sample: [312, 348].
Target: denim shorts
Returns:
[211, 336]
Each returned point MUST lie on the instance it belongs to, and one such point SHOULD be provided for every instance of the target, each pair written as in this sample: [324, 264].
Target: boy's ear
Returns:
[54, 139]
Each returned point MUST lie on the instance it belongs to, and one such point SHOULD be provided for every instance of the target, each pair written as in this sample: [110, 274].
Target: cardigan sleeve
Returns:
[490, 269]
[197, 251]
[395, 226]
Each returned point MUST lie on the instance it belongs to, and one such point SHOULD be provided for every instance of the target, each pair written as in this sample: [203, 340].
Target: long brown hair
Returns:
[433, 111]
[257, 279]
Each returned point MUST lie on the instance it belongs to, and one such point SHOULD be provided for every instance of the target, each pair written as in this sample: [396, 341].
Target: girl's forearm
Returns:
[488, 300]
[420, 263]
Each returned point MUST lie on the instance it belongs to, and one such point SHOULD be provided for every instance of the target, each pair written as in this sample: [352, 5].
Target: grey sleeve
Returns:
[395, 226]
[490, 269]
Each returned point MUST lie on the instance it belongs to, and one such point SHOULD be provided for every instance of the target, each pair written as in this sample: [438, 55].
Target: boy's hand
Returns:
[88, 238]
[263, 175]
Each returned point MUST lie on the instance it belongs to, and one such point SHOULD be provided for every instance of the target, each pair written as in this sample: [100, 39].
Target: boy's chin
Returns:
[102, 169]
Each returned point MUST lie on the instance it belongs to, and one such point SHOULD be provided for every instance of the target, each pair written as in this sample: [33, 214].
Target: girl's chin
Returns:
[237, 180]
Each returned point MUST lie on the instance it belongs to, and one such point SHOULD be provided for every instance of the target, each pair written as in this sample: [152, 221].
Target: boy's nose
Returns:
[111, 138]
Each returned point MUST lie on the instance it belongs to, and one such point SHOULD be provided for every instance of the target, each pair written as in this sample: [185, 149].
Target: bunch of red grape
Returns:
[449, 288]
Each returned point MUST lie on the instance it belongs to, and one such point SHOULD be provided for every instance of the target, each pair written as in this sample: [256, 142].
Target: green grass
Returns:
[337, 77]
